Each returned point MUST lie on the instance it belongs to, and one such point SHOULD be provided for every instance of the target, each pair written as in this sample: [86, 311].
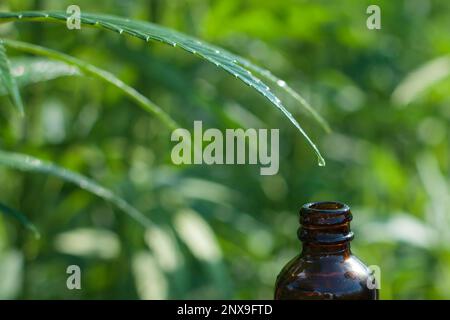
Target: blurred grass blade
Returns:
[151, 282]
[8, 81]
[438, 191]
[28, 71]
[421, 79]
[27, 163]
[98, 73]
[20, 217]
[233, 64]
[89, 243]
[198, 236]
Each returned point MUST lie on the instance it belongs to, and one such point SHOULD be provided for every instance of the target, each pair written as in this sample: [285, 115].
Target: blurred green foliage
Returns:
[226, 231]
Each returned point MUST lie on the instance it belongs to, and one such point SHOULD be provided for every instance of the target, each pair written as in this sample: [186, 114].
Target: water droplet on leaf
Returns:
[321, 161]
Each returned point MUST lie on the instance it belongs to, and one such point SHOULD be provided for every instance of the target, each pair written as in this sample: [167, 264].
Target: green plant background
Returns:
[226, 231]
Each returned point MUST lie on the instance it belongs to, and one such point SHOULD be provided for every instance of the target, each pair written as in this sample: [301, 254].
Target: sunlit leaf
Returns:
[101, 74]
[88, 242]
[151, 282]
[20, 217]
[28, 163]
[164, 248]
[400, 228]
[197, 235]
[8, 81]
[421, 79]
[233, 64]
[28, 71]
[11, 273]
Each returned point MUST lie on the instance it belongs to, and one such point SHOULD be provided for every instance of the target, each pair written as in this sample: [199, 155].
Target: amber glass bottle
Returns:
[326, 268]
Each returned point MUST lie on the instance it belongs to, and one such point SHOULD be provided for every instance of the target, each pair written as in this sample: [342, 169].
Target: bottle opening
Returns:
[330, 206]
[325, 222]
[325, 213]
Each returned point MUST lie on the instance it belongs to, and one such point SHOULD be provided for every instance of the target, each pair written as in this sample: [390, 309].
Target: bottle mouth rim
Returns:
[327, 207]
[325, 213]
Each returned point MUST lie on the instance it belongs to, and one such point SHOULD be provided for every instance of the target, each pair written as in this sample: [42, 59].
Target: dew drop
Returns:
[20, 16]
[321, 161]
[217, 51]
[120, 31]
[46, 15]
[147, 38]
[281, 83]
[174, 44]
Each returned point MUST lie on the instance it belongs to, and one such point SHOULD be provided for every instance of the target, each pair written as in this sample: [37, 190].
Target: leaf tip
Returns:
[321, 161]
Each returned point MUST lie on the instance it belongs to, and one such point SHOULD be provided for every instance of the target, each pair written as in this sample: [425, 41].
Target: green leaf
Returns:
[98, 73]
[27, 70]
[421, 79]
[233, 64]
[20, 217]
[25, 162]
[8, 81]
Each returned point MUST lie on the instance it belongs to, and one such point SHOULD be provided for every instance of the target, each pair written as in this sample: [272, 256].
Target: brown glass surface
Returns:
[326, 268]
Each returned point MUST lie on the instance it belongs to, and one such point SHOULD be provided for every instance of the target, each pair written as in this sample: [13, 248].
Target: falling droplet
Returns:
[147, 38]
[321, 161]
[281, 83]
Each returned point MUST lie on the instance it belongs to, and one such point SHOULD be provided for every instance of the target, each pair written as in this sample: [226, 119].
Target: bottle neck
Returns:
[325, 229]
[313, 250]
